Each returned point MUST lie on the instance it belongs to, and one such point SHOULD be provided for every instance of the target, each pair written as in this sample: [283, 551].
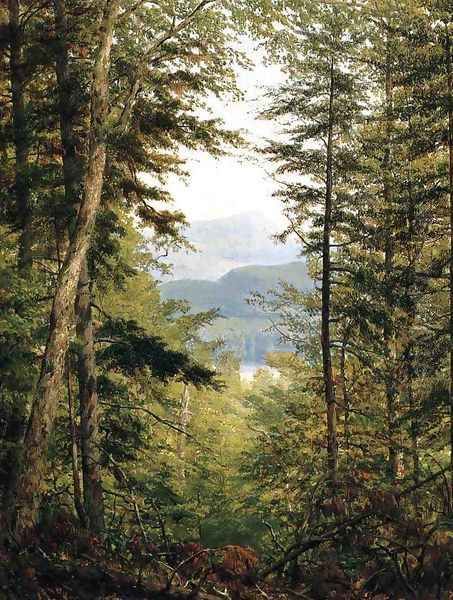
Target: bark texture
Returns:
[414, 251]
[329, 389]
[345, 397]
[89, 414]
[16, 426]
[78, 497]
[21, 136]
[33, 468]
[450, 152]
[69, 103]
[73, 170]
[184, 418]
[391, 391]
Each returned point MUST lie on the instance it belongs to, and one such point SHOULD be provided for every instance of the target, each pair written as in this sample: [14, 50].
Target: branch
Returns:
[283, 335]
[127, 13]
[124, 479]
[185, 562]
[151, 414]
[274, 537]
[123, 121]
[296, 550]
[31, 12]
[103, 312]
[300, 236]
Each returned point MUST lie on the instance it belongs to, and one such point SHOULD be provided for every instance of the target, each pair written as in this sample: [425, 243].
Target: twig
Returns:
[184, 562]
[123, 121]
[262, 592]
[274, 537]
[133, 499]
[151, 414]
[297, 549]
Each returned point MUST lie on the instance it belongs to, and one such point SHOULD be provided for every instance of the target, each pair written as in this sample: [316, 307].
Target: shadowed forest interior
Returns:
[257, 403]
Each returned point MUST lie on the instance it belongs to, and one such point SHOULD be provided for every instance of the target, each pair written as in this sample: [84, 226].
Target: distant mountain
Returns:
[225, 244]
[230, 292]
[242, 327]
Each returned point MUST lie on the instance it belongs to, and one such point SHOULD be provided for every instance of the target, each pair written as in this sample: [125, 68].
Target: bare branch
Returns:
[301, 547]
[296, 231]
[151, 414]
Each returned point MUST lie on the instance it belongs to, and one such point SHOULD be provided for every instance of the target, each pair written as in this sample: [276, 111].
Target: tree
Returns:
[21, 132]
[46, 397]
[114, 126]
[321, 103]
[449, 75]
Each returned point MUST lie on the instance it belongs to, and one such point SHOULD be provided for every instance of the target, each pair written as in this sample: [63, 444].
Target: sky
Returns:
[237, 183]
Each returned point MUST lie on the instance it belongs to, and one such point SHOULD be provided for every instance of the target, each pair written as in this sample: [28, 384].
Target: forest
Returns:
[134, 461]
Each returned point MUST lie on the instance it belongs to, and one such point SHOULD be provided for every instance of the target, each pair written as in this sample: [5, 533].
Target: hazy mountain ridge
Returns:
[230, 292]
[242, 326]
[228, 243]
[236, 257]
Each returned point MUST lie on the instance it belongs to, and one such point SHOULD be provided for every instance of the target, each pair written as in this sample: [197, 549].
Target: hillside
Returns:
[230, 292]
[226, 244]
[241, 325]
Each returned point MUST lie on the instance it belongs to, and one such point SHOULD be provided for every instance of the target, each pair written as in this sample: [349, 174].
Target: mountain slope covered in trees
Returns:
[242, 326]
[231, 291]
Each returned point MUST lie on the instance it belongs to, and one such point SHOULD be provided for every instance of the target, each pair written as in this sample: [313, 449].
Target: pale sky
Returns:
[238, 183]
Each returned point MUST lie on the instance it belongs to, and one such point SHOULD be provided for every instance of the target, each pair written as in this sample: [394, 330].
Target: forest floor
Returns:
[63, 562]
[33, 575]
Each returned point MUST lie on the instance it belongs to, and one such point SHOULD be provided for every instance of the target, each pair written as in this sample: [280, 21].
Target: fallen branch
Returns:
[95, 578]
[299, 548]
[184, 563]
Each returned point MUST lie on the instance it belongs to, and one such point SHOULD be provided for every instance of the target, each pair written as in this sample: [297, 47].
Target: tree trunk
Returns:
[414, 433]
[17, 424]
[184, 417]
[14, 437]
[329, 389]
[391, 391]
[89, 414]
[73, 170]
[33, 467]
[21, 137]
[390, 381]
[345, 397]
[69, 94]
[78, 497]
[450, 150]
[414, 251]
